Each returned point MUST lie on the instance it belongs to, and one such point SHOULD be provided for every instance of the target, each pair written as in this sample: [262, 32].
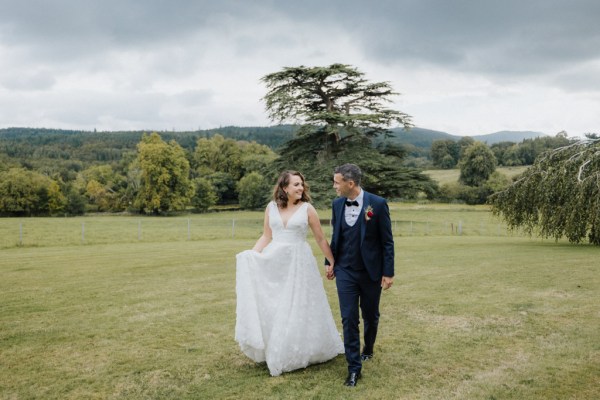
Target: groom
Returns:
[363, 249]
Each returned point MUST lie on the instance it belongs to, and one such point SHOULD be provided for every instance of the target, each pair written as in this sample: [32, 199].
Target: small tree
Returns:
[253, 191]
[256, 157]
[104, 187]
[75, 202]
[24, 192]
[218, 154]
[165, 184]
[477, 164]
[224, 186]
[205, 196]
[445, 153]
[57, 201]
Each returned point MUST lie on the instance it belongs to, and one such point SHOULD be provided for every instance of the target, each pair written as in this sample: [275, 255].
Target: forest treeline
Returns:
[69, 172]
[79, 149]
[446, 154]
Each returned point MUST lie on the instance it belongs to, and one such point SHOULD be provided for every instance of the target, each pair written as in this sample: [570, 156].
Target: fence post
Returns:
[233, 228]
[20, 234]
[459, 228]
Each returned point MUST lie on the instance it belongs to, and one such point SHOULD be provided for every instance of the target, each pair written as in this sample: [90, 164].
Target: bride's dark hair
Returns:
[280, 196]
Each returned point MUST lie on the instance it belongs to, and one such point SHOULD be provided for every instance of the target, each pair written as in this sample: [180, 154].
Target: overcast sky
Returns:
[464, 67]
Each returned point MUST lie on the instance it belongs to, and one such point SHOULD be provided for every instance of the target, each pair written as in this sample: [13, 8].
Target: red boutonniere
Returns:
[369, 213]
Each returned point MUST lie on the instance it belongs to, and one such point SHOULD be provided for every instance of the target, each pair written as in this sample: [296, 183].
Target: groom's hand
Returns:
[329, 272]
[386, 282]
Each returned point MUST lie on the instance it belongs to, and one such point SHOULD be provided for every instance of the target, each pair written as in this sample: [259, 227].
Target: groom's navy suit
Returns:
[363, 254]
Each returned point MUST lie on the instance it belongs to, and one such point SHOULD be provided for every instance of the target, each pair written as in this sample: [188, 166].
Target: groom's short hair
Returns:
[350, 172]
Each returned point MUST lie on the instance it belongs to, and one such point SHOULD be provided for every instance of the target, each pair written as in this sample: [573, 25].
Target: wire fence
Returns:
[106, 230]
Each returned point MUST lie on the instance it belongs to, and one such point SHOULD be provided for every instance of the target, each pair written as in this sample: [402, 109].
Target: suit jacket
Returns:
[376, 239]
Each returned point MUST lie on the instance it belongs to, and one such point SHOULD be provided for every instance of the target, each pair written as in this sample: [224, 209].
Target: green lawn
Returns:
[480, 315]
[446, 176]
[409, 219]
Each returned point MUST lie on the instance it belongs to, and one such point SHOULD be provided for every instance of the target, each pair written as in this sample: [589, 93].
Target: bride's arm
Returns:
[315, 226]
[267, 235]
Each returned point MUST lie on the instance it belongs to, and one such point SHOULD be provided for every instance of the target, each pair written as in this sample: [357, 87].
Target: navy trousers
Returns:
[357, 290]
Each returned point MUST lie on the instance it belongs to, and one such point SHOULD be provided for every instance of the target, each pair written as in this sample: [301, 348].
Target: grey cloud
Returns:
[584, 78]
[498, 37]
[28, 81]
[193, 97]
[91, 108]
[111, 22]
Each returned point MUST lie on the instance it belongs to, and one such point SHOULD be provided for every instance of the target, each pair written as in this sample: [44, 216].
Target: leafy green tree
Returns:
[98, 195]
[235, 158]
[477, 164]
[512, 157]
[500, 149]
[165, 184]
[57, 202]
[24, 192]
[204, 196]
[496, 183]
[558, 196]
[445, 153]
[105, 188]
[224, 186]
[75, 202]
[254, 191]
[463, 144]
[218, 154]
[256, 157]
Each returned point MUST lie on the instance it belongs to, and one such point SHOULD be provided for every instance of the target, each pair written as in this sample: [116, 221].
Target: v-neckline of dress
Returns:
[285, 224]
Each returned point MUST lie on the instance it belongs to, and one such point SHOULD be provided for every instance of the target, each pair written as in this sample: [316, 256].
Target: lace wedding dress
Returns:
[283, 316]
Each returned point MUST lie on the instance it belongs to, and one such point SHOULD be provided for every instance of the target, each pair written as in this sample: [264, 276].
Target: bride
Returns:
[283, 316]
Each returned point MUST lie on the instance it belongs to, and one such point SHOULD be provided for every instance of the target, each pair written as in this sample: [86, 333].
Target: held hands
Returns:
[329, 272]
[386, 282]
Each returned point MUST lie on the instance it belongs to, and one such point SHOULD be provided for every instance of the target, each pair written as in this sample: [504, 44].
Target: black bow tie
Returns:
[351, 203]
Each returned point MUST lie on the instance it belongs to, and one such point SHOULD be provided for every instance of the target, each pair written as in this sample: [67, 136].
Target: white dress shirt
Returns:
[351, 213]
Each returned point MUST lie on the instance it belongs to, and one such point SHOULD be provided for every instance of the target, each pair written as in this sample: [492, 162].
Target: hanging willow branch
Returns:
[559, 196]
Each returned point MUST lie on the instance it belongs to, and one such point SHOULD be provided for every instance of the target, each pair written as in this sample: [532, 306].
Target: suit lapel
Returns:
[340, 215]
[361, 216]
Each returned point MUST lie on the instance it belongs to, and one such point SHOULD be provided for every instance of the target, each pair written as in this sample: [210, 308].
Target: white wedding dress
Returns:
[283, 316]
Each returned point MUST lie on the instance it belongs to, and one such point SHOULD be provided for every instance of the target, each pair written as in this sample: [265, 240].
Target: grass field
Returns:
[409, 219]
[446, 176]
[479, 315]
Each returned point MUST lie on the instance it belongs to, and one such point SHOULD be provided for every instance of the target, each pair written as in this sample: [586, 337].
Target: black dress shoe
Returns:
[352, 378]
[366, 355]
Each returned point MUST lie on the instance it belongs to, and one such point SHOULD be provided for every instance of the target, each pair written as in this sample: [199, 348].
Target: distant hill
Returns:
[420, 137]
[508, 136]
